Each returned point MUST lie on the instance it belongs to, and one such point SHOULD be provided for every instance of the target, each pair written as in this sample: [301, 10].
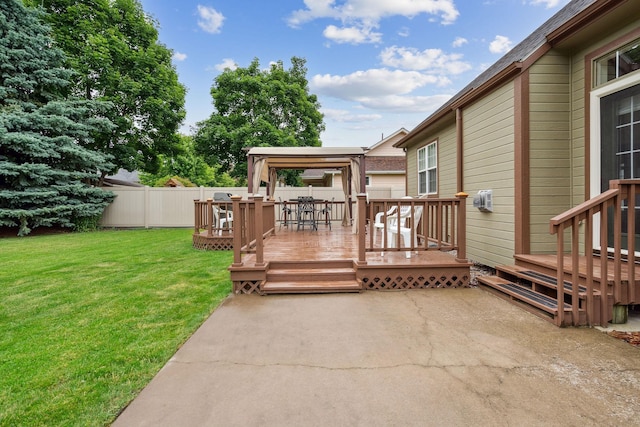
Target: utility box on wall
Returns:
[483, 200]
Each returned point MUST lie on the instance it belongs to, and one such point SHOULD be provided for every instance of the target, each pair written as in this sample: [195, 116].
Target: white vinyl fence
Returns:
[173, 206]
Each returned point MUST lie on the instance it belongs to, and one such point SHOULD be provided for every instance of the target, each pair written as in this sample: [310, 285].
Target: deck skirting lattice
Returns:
[404, 281]
[213, 243]
[247, 287]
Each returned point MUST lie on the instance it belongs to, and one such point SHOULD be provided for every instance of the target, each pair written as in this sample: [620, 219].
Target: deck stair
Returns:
[535, 290]
[310, 277]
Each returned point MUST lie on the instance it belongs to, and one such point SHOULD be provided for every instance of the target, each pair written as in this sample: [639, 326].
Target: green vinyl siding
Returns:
[488, 129]
[549, 147]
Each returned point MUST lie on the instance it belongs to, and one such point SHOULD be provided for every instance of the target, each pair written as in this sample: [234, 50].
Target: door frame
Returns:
[594, 171]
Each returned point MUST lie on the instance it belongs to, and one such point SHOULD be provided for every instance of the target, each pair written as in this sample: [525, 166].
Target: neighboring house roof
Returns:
[386, 164]
[568, 19]
[123, 178]
[380, 145]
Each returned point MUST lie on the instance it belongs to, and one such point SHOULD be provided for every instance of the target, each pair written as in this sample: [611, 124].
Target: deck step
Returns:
[537, 278]
[536, 299]
[311, 277]
[311, 287]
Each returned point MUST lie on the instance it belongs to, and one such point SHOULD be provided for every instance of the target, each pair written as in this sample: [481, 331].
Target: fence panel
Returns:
[174, 207]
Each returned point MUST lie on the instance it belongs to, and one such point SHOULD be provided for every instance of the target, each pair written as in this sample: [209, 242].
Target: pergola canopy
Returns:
[264, 159]
[306, 157]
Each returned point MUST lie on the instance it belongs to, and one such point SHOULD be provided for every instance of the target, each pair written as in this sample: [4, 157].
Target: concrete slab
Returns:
[411, 358]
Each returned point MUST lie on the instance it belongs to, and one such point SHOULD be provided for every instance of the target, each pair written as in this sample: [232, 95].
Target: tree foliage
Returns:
[189, 166]
[259, 108]
[113, 45]
[44, 166]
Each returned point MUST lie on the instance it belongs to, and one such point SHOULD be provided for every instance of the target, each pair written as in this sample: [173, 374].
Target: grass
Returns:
[87, 319]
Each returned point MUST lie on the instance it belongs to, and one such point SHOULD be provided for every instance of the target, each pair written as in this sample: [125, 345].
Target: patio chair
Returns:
[408, 228]
[306, 212]
[378, 224]
[223, 218]
[391, 217]
[286, 213]
[326, 212]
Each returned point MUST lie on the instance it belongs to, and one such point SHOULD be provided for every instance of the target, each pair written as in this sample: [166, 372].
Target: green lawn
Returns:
[87, 319]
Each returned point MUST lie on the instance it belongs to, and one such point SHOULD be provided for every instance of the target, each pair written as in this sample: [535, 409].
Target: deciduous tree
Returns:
[114, 47]
[259, 108]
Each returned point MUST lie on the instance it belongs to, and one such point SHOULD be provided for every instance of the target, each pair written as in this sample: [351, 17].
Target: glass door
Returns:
[620, 148]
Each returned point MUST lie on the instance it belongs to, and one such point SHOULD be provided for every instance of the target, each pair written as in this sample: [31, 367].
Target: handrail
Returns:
[586, 214]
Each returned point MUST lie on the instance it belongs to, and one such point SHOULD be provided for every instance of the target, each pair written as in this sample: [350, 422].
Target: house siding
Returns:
[549, 146]
[488, 129]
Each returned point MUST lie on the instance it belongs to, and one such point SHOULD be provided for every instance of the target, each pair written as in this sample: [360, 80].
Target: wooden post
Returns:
[198, 214]
[259, 227]
[209, 217]
[462, 227]
[238, 225]
[362, 219]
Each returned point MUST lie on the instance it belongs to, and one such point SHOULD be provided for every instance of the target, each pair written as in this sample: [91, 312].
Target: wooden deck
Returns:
[326, 260]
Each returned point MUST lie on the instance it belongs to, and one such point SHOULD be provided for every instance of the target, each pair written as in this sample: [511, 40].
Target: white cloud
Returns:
[459, 42]
[500, 44]
[353, 35]
[406, 104]
[371, 83]
[210, 19]
[178, 56]
[226, 63]
[404, 32]
[434, 60]
[548, 3]
[345, 116]
[362, 14]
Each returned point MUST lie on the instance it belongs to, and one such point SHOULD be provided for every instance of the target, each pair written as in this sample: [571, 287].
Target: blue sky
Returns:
[375, 65]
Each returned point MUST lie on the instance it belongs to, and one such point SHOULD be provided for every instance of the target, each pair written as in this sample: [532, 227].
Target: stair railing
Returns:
[619, 193]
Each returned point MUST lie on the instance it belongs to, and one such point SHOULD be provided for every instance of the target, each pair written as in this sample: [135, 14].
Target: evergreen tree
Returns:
[45, 173]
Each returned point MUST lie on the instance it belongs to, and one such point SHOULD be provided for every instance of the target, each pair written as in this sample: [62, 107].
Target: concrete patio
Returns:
[407, 358]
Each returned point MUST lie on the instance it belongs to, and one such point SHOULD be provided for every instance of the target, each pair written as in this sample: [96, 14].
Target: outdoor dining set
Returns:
[305, 211]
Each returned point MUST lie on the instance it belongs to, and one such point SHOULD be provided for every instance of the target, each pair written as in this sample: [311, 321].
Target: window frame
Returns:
[430, 170]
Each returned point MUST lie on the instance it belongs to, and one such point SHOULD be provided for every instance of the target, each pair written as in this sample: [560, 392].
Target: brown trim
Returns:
[588, 87]
[493, 83]
[522, 238]
[459, 151]
[581, 20]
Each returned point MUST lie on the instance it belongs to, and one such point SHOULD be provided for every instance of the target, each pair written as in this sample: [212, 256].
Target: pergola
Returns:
[264, 163]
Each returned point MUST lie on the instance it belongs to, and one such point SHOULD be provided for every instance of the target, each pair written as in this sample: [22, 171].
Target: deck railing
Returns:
[604, 211]
[207, 220]
[441, 225]
[254, 220]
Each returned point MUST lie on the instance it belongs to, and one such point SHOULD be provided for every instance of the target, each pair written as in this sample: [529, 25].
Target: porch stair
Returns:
[286, 277]
[532, 285]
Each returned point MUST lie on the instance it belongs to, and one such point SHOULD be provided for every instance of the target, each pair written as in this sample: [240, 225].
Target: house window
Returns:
[367, 180]
[427, 169]
[617, 63]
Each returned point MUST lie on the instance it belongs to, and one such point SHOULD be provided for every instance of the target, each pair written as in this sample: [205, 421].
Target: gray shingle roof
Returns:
[524, 49]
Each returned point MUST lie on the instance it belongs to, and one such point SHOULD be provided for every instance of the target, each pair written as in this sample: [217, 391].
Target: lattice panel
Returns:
[400, 281]
[247, 287]
[212, 243]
